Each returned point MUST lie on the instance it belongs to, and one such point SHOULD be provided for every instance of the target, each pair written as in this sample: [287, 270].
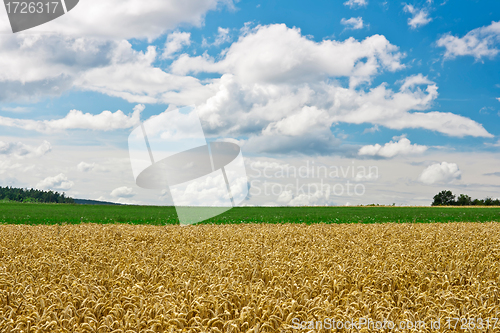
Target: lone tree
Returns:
[444, 198]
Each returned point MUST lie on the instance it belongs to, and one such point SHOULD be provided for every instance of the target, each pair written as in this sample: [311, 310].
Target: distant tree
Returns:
[444, 198]
[464, 200]
[478, 202]
[32, 195]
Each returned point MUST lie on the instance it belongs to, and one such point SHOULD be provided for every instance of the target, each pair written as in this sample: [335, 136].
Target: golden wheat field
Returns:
[248, 278]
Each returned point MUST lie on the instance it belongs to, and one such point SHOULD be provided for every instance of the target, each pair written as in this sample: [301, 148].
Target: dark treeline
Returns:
[32, 195]
[446, 198]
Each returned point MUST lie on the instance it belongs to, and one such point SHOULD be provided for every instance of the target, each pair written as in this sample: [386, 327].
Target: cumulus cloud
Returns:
[354, 23]
[382, 106]
[222, 36]
[480, 42]
[356, 3]
[440, 173]
[392, 149]
[59, 182]
[175, 42]
[299, 124]
[132, 76]
[278, 54]
[106, 66]
[75, 119]
[273, 75]
[318, 198]
[122, 192]
[85, 167]
[420, 17]
[278, 113]
[21, 150]
[322, 143]
[414, 81]
[59, 60]
[276, 86]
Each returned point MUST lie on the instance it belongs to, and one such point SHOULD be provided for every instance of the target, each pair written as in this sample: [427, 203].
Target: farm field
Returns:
[22, 213]
[248, 277]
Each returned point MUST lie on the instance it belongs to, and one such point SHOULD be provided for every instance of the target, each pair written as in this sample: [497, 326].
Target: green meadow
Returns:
[30, 213]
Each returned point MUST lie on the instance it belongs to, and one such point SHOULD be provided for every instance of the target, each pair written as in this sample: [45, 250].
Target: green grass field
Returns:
[24, 213]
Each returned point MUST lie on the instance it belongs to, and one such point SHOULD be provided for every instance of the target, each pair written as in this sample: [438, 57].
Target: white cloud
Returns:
[384, 107]
[276, 80]
[85, 167]
[480, 42]
[75, 119]
[498, 99]
[59, 60]
[278, 54]
[371, 129]
[356, 3]
[17, 109]
[299, 124]
[175, 42]
[420, 17]
[322, 142]
[371, 176]
[208, 191]
[110, 67]
[122, 192]
[318, 198]
[392, 149]
[414, 81]
[222, 36]
[127, 19]
[278, 112]
[131, 75]
[59, 182]
[276, 86]
[353, 23]
[496, 144]
[21, 150]
[440, 173]
[6, 166]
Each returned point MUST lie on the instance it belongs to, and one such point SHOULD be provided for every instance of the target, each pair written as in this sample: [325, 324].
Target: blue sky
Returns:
[411, 87]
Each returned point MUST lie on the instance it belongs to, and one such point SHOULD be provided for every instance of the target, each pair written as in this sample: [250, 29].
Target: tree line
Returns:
[33, 195]
[447, 198]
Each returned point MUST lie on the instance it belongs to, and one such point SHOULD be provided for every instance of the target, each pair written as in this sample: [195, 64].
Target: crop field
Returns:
[85, 268]
[249, 277]
[24, 213]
